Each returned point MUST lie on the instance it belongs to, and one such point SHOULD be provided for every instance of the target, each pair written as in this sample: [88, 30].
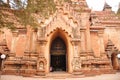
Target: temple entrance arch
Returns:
[58, 55]
[64, 53]
[114, 61]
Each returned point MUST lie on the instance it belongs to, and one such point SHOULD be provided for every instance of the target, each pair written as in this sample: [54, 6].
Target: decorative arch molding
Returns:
[62, 29]
[112, 52]
[58, 32]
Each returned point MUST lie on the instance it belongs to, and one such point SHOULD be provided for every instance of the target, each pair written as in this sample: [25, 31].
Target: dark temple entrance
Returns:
[58, 55]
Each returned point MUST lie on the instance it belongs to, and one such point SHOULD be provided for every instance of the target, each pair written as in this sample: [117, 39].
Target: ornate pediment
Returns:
[59, 21]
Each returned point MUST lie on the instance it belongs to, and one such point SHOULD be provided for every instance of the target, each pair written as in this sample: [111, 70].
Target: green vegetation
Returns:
[3, 22]
[43, 8]
[67, 0]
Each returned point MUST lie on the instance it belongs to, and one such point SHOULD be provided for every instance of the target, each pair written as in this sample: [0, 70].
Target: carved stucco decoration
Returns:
[41, 64]
[76, 32]
[76, 64]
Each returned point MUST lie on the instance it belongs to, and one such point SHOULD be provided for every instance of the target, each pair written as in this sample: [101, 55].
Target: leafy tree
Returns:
[3, 22]
[43, 8]
[2, 4]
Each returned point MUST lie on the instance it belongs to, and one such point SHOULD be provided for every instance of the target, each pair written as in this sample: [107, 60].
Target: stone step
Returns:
[58, 74]
[62, 75]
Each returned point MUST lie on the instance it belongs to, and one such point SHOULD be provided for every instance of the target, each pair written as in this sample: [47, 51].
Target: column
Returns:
[34, 41]
[41, 62]
[88, 40]
[42, 31]
[42, 43]
[82, 40]
[75, 50]
[14, 41]
[41, 49]
[101, 43]
[39, 32]
[76, 63]
[28, 45]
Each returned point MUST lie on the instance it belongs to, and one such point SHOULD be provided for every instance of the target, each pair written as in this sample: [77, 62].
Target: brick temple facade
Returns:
[74, 39]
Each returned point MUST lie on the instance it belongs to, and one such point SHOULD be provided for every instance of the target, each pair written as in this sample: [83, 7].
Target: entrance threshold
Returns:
[63, 75]
[58, 74]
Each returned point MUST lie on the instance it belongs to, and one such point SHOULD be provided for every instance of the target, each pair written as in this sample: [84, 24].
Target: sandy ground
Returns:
[98, 77]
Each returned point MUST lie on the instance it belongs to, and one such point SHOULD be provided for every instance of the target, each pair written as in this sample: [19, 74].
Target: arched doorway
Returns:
[58, 55]
[114, 61]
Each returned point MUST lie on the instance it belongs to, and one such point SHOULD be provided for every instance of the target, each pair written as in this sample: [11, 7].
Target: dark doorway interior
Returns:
[58, 55]
[114, 61]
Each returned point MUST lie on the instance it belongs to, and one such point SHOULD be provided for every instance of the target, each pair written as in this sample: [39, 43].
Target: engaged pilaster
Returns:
[82, 40]
[101, 43]
[76, 63]
[13, 45]
[34, 41]
[41, 46]
[88, 41]
[41, 63]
